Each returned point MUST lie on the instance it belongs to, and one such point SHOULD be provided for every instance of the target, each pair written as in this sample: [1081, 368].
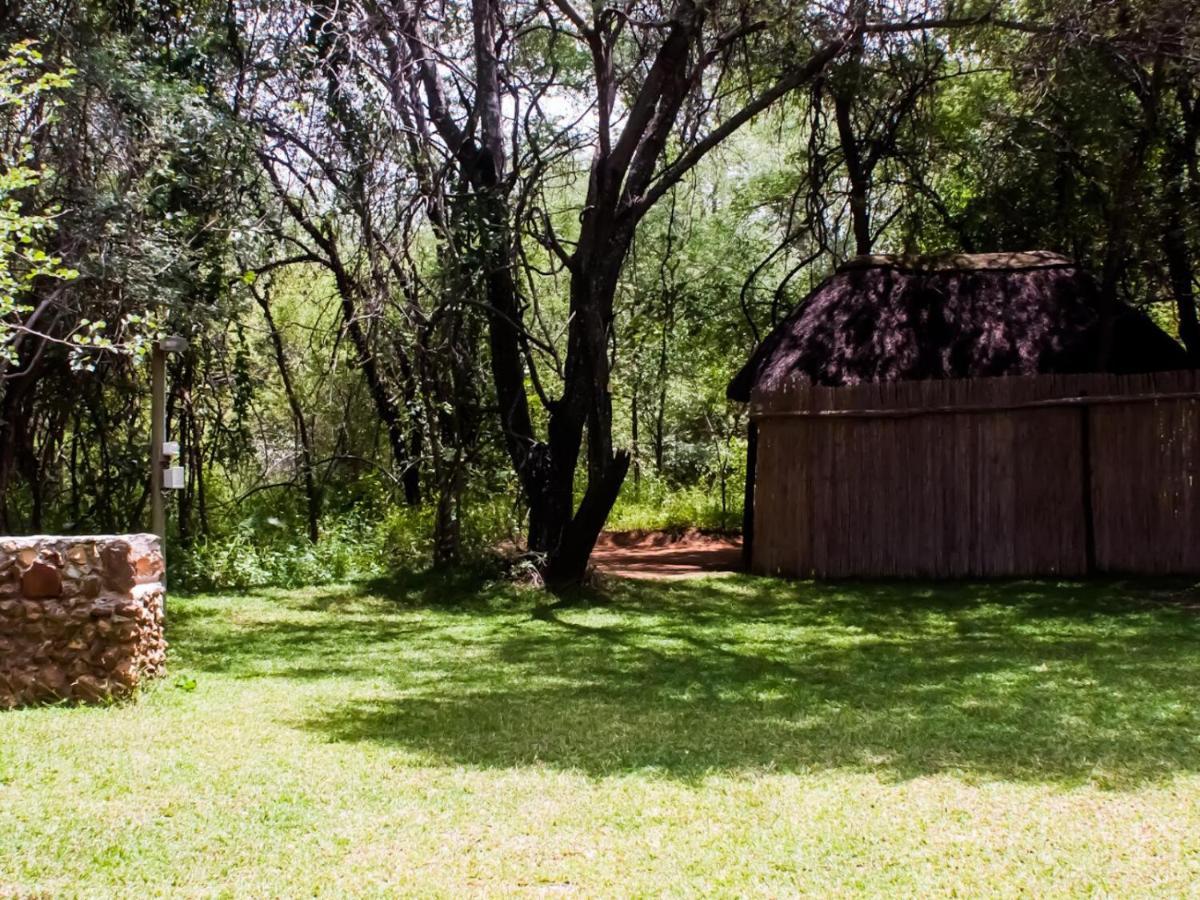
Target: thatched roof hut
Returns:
[888, 318]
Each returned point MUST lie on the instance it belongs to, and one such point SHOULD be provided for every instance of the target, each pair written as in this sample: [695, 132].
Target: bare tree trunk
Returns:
[587, 404]
[1179, 157]
[7, 461]
[1181, 273]
[1147, 87]
[74, 470]
[350, 292]
[312, 491]
[15, 412]
[856, 172]
[1116, 254]
[633, 439]
[660, 414]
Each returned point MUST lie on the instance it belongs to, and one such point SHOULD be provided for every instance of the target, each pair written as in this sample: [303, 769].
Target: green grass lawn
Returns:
[730, 737]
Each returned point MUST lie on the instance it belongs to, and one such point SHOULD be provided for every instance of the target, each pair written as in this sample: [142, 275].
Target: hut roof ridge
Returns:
[960, 262]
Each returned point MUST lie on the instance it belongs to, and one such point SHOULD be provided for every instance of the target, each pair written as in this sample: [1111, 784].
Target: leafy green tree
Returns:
[27, 101]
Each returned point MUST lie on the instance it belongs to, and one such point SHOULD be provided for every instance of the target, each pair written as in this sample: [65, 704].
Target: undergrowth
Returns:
[269, 547]
[653, 505]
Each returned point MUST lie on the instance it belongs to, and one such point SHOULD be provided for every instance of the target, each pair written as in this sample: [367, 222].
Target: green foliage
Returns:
[372, 539]
[160, 139]
[27, 104]
[264, 551]
[710, 499]
[654, 506]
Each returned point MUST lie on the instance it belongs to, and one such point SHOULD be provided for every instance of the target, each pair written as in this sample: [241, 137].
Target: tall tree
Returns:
[668, 84]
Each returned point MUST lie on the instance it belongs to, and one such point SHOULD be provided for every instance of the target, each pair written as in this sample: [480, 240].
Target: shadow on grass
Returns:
[1020, 681]
[339, 630]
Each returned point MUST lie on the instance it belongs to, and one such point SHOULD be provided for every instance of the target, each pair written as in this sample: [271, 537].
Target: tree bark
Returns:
[1179, 156]
[312, 491]
[385, 406]
[856, 172]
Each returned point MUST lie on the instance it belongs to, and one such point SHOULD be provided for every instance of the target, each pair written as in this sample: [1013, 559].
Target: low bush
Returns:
[265, 551]
[653, 505]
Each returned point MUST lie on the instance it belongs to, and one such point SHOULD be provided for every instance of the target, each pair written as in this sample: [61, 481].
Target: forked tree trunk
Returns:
[856, 171]
[587, 404]
[627, 177]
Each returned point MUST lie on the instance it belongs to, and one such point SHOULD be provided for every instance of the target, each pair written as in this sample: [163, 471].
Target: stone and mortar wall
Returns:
[81, 618]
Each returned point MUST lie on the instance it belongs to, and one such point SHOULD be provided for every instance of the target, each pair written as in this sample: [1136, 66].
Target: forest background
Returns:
[459, 276]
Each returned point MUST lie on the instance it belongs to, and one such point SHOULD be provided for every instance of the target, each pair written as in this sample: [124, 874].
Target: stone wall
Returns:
[81, 618]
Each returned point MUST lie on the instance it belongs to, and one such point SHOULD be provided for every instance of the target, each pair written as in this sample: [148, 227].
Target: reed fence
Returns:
[1041, 475]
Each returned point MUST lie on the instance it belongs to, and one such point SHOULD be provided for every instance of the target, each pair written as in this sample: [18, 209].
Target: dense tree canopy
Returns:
[455, 272]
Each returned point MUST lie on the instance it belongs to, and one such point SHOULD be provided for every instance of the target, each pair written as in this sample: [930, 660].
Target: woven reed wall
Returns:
[1043, 475]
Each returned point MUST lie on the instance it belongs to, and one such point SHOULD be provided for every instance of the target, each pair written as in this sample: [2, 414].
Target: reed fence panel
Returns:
[1042, 475]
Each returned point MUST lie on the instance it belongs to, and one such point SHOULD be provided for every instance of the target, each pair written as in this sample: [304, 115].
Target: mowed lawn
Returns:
[725, 737]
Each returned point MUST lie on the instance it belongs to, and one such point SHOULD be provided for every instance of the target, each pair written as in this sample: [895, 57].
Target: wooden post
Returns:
[158, 431]
[748, 507]
[1089, 512]
[158, 436]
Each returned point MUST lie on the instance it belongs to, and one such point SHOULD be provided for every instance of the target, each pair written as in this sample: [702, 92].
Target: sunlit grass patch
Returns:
[737, 736]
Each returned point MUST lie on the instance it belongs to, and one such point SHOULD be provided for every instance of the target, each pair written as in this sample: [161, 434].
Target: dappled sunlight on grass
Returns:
[439, 736]
[1028, 681]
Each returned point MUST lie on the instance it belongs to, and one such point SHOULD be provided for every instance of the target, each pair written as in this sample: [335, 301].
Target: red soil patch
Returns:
[660, 555]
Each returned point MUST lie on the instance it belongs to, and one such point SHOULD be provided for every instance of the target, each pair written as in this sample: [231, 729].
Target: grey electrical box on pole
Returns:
[162, 474]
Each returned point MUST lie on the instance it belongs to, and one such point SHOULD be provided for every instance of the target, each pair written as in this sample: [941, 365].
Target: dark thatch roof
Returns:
[884, 318]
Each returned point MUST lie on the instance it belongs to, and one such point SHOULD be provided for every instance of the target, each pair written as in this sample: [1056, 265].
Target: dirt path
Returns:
[658, 555]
